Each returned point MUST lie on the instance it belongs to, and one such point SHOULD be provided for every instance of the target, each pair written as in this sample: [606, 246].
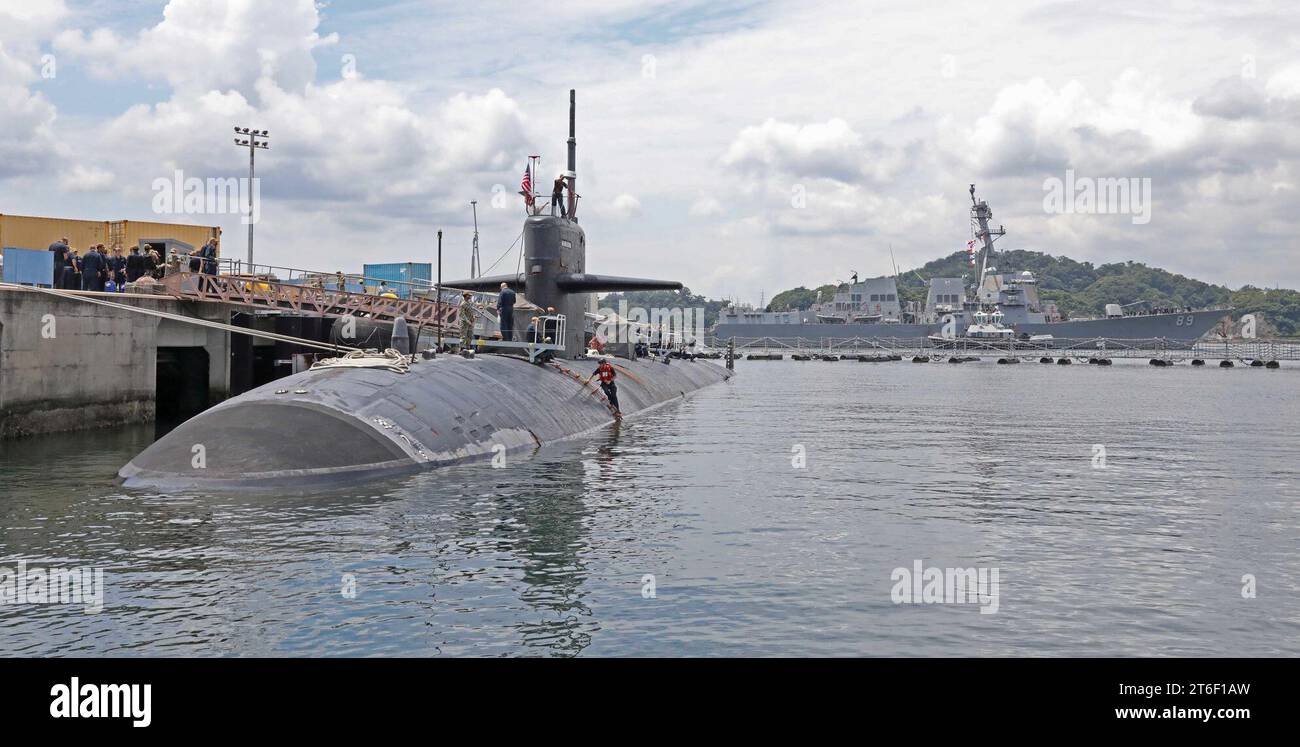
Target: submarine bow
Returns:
[331, 425]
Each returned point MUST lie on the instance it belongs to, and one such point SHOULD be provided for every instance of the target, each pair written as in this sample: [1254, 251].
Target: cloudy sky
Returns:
[742, 147]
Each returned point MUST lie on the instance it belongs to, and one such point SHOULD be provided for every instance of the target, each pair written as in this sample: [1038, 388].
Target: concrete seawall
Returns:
[69, 365]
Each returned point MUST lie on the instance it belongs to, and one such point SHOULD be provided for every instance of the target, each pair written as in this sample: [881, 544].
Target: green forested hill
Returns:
[1082, 289]
[1280, 309]
[800, 298]
[1077, 288]
[682, 299]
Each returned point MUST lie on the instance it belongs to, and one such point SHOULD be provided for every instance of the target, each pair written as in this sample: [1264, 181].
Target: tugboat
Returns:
[985, 328]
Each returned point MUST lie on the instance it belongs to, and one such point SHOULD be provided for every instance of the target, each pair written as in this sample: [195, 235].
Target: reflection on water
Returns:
[965, 466]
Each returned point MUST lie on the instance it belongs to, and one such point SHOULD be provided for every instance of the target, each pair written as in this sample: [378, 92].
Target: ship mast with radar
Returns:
[980, 215]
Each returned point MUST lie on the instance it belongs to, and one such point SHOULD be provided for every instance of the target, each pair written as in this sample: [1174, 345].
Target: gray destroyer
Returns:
[872, 309]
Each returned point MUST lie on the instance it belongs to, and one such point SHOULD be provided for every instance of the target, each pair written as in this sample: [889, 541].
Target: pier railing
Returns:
[301, 276]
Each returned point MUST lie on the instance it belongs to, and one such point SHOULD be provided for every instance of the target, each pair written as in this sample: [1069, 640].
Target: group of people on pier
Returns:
[98, 269]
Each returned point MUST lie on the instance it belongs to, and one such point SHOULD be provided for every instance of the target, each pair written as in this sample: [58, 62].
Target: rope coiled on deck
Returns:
[389, 359]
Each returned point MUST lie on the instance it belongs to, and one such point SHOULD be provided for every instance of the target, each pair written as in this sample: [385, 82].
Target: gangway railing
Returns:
[252, 291]
[550, 327]
[302, 276]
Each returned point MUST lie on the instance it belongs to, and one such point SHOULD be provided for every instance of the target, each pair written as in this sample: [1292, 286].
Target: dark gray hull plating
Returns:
[336, 425]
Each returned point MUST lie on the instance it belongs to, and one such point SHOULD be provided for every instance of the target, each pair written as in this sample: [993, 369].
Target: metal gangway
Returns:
[307, 299]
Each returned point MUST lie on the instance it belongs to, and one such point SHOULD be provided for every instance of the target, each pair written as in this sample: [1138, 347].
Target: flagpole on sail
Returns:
[532, 183]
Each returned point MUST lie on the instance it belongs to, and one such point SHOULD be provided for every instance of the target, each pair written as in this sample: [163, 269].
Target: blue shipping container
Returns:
[28, 266]
[400, 276]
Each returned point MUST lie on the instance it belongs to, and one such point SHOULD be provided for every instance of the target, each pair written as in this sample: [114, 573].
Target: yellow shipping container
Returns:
[32, 232]
[133, 231]
[27, 232]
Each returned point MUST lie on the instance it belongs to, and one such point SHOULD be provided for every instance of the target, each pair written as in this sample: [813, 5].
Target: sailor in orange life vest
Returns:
[607, 385]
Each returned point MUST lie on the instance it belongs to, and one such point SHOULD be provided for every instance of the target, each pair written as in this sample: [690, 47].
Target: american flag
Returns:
[526, 186]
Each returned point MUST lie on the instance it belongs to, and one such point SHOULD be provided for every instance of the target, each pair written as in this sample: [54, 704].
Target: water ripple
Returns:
[1141, 553]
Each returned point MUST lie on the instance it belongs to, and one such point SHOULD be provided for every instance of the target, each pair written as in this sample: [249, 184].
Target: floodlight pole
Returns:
[253, 144]
[438, 300]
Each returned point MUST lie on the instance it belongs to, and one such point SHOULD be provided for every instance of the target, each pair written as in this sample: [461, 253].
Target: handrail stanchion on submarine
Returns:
[345, 423]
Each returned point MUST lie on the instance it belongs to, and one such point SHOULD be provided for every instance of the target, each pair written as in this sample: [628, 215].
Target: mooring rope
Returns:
[630, 375]
[390, 360]
[180, 318]
[584, 383]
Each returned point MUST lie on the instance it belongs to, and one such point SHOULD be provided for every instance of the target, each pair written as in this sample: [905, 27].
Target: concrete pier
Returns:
[69, 365]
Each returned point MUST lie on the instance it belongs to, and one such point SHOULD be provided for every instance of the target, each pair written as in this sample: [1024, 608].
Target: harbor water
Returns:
[1126, 510]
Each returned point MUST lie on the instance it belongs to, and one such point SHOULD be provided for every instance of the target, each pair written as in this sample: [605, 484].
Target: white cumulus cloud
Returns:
[205, 45]
[626, 206]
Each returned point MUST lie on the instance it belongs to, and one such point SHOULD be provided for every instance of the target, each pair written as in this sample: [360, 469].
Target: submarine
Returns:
[367, 417]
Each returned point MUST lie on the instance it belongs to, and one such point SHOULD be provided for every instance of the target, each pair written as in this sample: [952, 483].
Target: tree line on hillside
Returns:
[1077, 289]
[1082, 289]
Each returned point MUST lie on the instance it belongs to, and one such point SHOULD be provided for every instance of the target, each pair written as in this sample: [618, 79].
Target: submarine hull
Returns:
[332, 425]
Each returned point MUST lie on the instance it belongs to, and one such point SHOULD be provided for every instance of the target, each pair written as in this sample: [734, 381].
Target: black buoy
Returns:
[1006, 361]
[1046, 359]
[920, 359]
[1273, 364]
[1257, 364]
[1226, 364]
[1159, 362]
[1103, 361]
[956, 359]
[1198, 362]
[1064, 362]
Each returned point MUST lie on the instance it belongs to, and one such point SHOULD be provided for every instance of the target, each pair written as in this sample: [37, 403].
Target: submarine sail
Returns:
[367, 418]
